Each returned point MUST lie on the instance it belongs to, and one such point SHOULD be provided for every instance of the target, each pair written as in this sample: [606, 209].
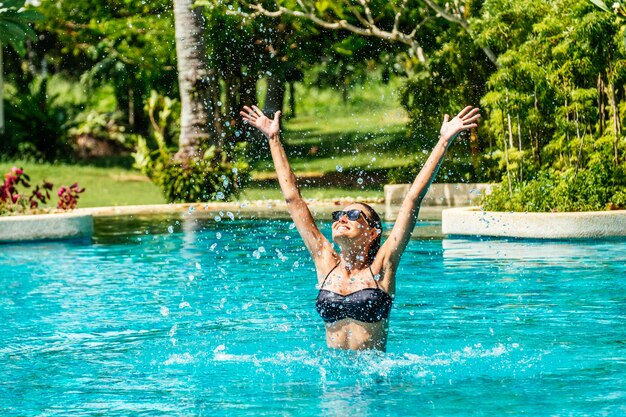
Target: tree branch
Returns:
[451, 17]
[368, 25]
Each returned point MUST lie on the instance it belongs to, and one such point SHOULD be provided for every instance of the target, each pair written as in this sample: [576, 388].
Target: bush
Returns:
[98, 134]
[12, 201]
[599, 187]
[453, 169]
[36, 125]
[213, 175]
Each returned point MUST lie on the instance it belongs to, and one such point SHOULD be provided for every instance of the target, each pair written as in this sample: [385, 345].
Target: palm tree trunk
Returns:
[196, 82]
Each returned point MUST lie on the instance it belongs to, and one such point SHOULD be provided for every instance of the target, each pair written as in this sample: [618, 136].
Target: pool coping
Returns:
[463, 221]
[472, 221]
[51, 226]
[264, 209]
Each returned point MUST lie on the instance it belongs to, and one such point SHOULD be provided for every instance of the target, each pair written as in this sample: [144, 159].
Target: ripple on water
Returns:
[121, 326]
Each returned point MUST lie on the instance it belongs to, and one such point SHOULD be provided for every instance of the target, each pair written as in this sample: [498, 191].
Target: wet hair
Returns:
[378, 224]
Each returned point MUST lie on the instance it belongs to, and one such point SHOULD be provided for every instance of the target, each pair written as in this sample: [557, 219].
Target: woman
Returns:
[357, 284]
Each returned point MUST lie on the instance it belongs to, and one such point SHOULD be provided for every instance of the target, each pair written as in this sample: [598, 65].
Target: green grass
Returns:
[362, 138]
[103, 186]
[366, 133]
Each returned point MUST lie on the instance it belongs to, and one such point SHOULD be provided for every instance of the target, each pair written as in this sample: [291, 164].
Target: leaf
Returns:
[601, 5]
[12, 4]
[31, 16]
[321, 6]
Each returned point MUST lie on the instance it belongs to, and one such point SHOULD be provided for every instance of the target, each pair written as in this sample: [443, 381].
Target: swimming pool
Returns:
[163, 316]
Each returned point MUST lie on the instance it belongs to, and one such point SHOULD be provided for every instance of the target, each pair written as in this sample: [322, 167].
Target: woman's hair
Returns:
[378, 224]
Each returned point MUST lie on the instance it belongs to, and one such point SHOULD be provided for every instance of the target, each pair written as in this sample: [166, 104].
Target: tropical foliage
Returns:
[211, 174]
[14, 24]
[13, 200]
[549, 77]
[556, 106]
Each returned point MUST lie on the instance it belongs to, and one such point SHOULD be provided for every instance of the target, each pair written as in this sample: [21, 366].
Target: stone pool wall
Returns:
[46, 227]
[592, 224]
[438, 197]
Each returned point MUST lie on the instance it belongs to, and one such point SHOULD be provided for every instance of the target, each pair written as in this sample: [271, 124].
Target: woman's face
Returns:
[345, 229]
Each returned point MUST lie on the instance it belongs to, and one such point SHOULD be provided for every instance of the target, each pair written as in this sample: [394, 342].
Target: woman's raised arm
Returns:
[407, 217]
[315, 241]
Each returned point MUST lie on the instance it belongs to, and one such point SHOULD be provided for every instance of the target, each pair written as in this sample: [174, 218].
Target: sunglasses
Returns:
[353, 215]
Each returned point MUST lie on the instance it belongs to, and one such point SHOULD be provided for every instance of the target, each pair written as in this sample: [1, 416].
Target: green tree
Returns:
[556, 92]
[15, 26]
[14, 31]
[126, 44]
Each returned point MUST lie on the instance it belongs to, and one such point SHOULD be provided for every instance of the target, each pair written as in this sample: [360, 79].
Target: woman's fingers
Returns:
[472, 119]
[251, 114]
[247, 116]
[249, 110]
[468, 112]
[463, 112]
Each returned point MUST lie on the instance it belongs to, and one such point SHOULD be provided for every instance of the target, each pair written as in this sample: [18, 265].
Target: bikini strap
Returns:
[327, 275]
[374, 277]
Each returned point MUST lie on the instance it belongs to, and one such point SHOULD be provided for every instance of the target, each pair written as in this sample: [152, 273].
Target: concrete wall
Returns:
[45, 227]
[438, 197]
[591, 224]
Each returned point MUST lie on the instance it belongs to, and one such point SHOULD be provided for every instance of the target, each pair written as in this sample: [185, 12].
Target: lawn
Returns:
[103, 186]
[365, 133]
[337, 150]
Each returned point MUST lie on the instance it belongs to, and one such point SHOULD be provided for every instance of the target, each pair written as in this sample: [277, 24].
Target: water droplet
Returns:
[359, 181]
[184, 304]
[170, 229]
[339, 168]
[218, 218]
[165, 311]
[218, 235]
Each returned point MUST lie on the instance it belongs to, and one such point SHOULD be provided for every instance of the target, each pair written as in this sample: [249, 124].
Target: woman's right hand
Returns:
[255, 117]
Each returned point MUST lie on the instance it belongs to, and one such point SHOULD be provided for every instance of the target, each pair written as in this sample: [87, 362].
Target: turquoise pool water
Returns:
[202, 317]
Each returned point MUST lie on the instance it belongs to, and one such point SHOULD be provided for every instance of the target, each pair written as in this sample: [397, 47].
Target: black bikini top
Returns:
[368, 305]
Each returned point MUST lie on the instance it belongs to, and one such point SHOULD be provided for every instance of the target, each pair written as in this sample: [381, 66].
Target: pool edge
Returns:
[472, 221]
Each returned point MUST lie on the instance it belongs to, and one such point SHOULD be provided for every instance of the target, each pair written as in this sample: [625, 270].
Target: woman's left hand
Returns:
[466, 119]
